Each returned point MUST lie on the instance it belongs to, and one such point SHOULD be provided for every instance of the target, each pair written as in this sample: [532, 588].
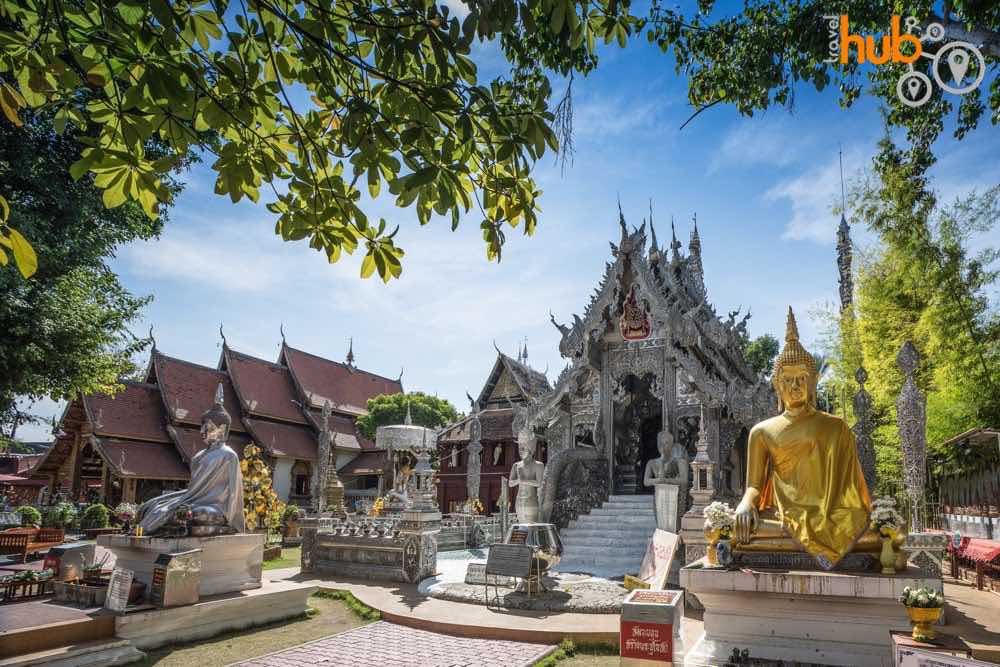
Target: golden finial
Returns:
[793, 352]
[791, 327]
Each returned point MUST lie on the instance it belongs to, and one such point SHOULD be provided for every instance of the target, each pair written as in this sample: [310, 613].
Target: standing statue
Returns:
[805, 487]
[215, 494]
[668, 475]
[527, 475]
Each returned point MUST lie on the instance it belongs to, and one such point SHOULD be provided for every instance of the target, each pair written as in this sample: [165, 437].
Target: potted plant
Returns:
[95, 519]
[923, 606]
[719, 521]
[888, 523]
[60, 515]
[30, 517]
[125, 512]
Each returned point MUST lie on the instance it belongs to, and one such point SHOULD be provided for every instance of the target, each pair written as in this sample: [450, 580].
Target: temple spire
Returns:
[694, 245]
[844, 250]
[621, 220]
[350, 352]
[675, 245]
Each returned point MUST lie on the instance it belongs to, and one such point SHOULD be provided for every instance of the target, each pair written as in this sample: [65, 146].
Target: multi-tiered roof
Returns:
[151, 429]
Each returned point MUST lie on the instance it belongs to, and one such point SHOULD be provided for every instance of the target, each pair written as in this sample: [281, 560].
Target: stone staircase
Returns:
[610, 541]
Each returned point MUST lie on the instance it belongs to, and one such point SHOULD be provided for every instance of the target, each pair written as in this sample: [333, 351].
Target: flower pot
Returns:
[724, 552]
[923, 619]
[888, 557]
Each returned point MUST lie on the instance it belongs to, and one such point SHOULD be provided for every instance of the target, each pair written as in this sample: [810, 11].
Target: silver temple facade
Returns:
[648, 353]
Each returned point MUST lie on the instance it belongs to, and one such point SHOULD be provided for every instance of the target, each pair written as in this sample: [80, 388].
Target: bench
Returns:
[24, 541]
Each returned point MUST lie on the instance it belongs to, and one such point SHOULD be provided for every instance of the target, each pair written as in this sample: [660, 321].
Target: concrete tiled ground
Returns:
[394, 645]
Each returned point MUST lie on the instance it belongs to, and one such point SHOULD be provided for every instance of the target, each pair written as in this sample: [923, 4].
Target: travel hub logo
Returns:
[957, 67]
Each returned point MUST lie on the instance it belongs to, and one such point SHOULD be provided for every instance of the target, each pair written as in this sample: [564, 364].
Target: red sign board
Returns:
[647, 641]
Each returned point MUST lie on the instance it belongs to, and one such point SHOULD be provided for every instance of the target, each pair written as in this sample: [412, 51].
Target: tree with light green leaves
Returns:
[922, 282]
[390, 409]
[319, 104]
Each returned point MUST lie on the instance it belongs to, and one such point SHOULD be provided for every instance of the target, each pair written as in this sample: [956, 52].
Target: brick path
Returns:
[392, 645]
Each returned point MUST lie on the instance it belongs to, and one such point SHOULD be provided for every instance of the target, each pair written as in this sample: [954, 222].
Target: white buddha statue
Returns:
[215, 494]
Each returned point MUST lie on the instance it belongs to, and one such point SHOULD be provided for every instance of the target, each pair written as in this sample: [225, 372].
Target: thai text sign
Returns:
[647, 641]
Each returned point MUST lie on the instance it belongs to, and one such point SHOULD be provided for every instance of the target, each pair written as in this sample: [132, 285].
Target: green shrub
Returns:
[95, 516]
[292, 513]
[60, 515]
[29, 515]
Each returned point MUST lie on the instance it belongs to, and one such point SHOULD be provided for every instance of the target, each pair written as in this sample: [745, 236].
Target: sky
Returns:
[762, 189]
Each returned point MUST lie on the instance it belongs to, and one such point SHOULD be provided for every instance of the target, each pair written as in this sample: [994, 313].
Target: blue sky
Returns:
[762, 189]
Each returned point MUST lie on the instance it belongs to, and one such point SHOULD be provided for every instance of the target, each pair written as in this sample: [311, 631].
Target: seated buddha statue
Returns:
[805, 489]
[213, 502]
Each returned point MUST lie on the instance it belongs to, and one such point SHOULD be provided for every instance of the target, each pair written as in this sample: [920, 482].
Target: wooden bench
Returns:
[24, 541]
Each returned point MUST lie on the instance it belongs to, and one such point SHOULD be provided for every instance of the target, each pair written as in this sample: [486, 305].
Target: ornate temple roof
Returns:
[188, 390]
[529, 384]
[346, 387]
[134, 413]
[670, 290]
[265, 389]
[497, 426]
[264, 399]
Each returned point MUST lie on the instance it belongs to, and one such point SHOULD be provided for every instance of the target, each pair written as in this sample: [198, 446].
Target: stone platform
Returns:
[567, 593]
[229, 563]
[274, 601]
[812, 617]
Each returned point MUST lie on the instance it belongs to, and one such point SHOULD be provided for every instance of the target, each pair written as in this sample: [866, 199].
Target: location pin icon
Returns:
[958, 63]
[914, 86]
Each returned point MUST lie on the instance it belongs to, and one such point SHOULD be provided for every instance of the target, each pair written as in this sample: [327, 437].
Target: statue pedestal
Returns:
[828, 618]
[229, 563]
[418, 531]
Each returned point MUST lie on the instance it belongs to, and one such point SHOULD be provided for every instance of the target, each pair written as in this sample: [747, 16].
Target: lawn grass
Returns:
[328, 616]
[290, 557]
[570, 654]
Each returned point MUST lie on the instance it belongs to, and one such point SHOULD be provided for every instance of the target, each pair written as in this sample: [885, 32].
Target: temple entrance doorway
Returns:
[638, 419]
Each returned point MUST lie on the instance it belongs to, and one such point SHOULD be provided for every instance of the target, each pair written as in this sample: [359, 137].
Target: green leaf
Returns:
[24, 254]
[558, 17]
[368, 265]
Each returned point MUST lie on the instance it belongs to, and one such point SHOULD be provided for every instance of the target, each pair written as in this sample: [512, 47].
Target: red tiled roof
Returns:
[297, 442]
[27, 462]
[264, 388]
[366, 463]
[136, 413]
[144, 460]
[324, 380]
[497, 425]
[189, 390]
[345, 430]
[189, 441]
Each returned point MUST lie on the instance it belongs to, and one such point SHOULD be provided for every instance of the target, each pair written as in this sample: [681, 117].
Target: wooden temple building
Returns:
[139, 442]
[511, 382]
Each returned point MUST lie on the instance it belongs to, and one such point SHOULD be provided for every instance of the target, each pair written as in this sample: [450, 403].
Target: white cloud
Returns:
[458, 8]
[770, 141]
[598, 116]
[812, 193]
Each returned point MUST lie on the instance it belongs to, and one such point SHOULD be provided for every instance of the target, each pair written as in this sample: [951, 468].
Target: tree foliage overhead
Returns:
[315, 101]
[753, 59]
[390, 409]
[66, 329]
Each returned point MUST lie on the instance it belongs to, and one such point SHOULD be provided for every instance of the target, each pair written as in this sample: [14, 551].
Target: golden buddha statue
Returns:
[805, 489]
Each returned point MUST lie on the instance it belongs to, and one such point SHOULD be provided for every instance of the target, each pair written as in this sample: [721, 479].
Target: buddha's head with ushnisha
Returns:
[794, 376]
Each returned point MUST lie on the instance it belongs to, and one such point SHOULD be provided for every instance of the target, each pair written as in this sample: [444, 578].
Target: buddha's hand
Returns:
[746, 522]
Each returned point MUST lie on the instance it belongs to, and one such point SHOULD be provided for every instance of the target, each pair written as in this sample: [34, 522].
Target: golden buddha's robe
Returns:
[812, 481]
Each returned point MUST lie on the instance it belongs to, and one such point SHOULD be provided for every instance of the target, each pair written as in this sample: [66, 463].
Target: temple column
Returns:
[128, 489]
[608, 415]
[669, 394]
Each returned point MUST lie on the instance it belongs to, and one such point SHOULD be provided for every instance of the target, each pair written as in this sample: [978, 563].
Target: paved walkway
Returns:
[386, 643]
[405, 605]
